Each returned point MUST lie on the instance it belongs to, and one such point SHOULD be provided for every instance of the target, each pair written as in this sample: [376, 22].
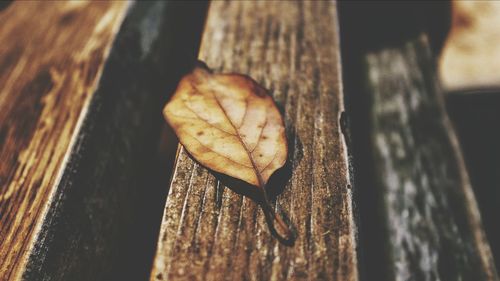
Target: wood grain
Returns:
[104, 219]
[432, 227]
[51, 57]
[211, 232]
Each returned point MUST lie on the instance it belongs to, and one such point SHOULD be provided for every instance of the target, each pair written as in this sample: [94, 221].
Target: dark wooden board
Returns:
[103, 212]
[211, 232]
[419, 217]
[434, 228]
[51, 58]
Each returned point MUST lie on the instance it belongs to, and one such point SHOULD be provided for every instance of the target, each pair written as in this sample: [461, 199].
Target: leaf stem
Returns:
[277, 223]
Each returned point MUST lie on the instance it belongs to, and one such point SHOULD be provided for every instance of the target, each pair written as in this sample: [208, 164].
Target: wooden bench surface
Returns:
[101, 211]
[91, 186]
[210, 231]
[48, 75]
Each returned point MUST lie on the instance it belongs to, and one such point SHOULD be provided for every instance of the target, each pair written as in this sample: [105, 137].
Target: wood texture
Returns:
[432, 226]
[210, 232]
[51, 57]
[104, 216]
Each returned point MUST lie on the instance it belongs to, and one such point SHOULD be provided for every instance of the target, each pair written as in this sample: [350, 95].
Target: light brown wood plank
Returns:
[51, 58]
[210, 232]
[470, 58]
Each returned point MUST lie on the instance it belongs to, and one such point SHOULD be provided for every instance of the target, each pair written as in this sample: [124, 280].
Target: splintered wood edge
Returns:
[158, 266]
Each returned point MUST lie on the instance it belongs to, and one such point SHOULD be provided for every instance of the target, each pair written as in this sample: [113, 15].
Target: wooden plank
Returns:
[471, 55]
[51, 58]
[104, 216]
[418, 216]
[211, 232]
[431, 223]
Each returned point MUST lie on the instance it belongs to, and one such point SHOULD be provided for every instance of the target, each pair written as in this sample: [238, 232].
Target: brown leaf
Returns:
[231, 125]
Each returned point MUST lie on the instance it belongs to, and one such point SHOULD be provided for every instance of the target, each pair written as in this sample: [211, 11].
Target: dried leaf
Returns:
[231, 125]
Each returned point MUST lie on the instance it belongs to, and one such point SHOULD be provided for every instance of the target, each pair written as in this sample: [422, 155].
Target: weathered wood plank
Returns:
[51, 58]
[211, 232]
[418, 216]
[430, 223]
[471, 55]
[104, 216]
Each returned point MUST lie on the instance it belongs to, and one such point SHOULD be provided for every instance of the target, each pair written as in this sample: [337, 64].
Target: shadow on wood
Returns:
[274, 187]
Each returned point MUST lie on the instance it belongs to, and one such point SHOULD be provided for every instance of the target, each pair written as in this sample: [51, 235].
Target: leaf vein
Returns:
[260, 135]
[247, 104]
[250, 156]
[209, 148]
[204, 120]
[265, 167]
